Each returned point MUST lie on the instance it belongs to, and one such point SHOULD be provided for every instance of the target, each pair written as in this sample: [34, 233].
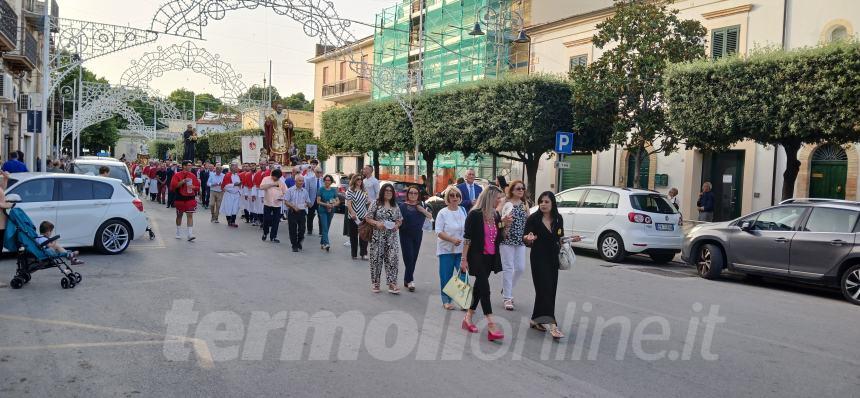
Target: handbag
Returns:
[566, 257]
[458, 290]
[365, 230]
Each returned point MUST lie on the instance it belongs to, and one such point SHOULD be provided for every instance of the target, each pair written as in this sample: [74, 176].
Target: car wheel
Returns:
[709, 261]
[611, 247]
[113, 237]
[662, 256]
[851, 284]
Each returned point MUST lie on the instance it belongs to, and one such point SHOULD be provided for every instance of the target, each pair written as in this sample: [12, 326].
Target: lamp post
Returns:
[499, 19]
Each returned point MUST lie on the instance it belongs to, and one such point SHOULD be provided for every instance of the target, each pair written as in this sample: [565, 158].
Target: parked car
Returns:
[618, 222]
[89, 165]
[811, 241]
[86, 210]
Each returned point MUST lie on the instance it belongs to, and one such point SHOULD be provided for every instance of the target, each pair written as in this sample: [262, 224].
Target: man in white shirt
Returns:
[297, 202]
[216, 193]
[371, 184]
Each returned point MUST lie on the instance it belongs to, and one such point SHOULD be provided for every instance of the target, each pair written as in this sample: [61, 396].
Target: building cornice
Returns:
[342, 50]
[728, 11]
[578, 42]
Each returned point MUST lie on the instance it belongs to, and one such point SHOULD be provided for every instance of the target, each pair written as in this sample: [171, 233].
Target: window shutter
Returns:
[718, 43]
[732, 39]
[578, 60]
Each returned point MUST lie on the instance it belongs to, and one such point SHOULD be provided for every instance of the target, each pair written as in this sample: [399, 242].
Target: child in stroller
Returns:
[46, 229]
[40, 252]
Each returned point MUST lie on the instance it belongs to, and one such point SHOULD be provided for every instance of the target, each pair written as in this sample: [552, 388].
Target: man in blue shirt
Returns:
[13, 165]
[705, 203]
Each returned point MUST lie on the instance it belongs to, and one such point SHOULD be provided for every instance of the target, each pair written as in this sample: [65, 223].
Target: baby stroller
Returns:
[21, 233]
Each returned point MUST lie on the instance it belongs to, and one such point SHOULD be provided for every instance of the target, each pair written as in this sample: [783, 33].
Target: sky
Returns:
[247, 39]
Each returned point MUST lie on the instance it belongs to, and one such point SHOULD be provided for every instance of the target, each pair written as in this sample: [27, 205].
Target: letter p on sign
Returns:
[564, 142]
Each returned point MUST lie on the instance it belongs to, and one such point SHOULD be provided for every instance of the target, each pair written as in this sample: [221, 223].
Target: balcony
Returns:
[34, 9]
[8, 27]
[347, 90]
[26, 56]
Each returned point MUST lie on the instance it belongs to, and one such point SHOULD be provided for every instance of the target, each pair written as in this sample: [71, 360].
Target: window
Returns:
[342, 71]
[117, 172]
[778, 219]
[839, 33]
[578, 60]
[570, 198]
[596, 198]
[325, 75]
[612, 203]
[338, 164]
[652, 203]
[74, 189]
[102, 190]
[823, 219]
[39, 190]
[725, 41]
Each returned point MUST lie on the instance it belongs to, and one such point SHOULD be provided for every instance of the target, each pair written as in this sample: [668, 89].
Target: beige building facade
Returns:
[338, 83]
[745, 179]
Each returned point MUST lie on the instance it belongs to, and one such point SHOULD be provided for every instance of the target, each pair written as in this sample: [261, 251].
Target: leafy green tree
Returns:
[639, 41]
[297, 102]
[773, 97]
[258, 93]
[184, 101]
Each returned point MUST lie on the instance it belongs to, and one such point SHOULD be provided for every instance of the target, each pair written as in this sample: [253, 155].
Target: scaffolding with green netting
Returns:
[450, 55]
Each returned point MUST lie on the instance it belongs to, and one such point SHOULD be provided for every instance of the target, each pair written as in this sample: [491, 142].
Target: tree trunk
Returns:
[532, 162]
[637, 168]
[792, 167]
[375, 164]
[430, 181]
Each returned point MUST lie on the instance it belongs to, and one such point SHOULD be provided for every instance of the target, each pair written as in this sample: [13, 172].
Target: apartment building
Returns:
[338, 83]
[749, 176]
[20, 78]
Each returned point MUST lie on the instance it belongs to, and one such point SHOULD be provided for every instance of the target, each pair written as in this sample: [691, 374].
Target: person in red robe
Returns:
[185, 186]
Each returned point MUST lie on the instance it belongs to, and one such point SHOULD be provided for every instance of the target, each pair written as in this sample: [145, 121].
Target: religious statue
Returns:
[279, 135]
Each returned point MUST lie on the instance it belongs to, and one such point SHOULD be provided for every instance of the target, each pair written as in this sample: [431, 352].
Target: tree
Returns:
[640, 40]
[773, 97]
[258, 93]
[297, 102]
[100, 136]
[184, 101]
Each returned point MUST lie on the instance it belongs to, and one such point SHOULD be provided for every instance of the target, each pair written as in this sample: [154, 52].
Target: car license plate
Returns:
[665, 227]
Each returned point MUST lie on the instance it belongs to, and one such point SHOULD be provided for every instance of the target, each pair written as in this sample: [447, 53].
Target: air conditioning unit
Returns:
[8, 91]
[24, 103]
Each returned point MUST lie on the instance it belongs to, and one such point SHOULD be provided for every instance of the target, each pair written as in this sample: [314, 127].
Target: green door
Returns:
[827, 180]
[828, 172]
[644, 169]
[579, 172]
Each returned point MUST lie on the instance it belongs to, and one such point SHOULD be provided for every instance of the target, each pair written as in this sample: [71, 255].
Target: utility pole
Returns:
[270, 83]
[419, 88]
[46, 83]
[194, 108]
[77, 108]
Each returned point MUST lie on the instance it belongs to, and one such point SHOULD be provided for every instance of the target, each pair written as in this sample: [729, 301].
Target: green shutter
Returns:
[578, 60]
[725, 41]
[579, 172]
[718, 43]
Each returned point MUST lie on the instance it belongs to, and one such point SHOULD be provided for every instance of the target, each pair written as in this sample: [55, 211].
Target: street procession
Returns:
[603, 198]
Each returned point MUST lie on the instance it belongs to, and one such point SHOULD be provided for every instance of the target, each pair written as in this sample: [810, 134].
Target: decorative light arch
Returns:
[318, 18]
[185, 56]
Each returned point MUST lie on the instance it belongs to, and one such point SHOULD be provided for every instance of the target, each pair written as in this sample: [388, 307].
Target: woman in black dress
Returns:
[544, 233]
[482, 235]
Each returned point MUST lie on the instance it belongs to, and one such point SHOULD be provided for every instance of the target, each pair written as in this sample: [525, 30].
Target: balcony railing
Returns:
[26, 56]
[8, 27]
[34, 9]
[347, 89]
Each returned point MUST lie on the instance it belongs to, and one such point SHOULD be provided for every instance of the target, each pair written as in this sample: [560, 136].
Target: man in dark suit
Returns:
[204, 188]
[469, 190]
[170, 195]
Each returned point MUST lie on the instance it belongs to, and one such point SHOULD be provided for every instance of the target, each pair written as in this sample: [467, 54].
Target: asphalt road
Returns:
[172, 318]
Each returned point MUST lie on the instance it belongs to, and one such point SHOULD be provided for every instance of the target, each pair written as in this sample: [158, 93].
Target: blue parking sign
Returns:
[564, 142]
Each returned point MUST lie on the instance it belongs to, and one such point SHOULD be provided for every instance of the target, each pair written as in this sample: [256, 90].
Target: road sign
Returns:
[564, 142]
[34, 121]
[562, 165]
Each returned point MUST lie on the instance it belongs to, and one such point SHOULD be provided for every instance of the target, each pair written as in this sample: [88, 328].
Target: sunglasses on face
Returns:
[519, 189]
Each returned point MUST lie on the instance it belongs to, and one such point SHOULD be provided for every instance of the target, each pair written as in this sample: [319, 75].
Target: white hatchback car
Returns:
[89, 165]
[621, 221]
[86, 210]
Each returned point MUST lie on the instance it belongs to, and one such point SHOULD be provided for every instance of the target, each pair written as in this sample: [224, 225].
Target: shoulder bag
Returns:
[365, 230]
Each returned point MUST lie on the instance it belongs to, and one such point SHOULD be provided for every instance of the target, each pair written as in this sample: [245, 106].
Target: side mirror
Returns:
[13, 198]
[746, 226]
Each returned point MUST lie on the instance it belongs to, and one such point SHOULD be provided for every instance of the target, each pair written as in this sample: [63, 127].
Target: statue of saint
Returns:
[279, 135]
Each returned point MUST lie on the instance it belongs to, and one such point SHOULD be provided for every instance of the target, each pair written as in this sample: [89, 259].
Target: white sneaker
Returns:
[346, 243]
[178, 236]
